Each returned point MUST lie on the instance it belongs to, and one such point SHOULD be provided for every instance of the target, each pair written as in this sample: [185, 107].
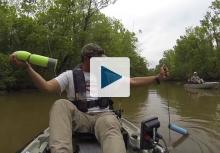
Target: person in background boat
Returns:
[67, 116]
[196, 79]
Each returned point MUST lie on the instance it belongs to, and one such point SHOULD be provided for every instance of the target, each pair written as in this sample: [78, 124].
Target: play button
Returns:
[108, 77]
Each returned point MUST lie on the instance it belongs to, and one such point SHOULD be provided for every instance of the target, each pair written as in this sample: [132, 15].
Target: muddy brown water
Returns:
[24, 114]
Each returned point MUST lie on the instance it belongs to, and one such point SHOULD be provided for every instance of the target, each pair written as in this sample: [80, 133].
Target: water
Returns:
[24, 114]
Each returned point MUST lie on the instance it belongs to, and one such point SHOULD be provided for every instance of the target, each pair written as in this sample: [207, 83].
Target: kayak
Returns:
[206, 85]
[145, 140]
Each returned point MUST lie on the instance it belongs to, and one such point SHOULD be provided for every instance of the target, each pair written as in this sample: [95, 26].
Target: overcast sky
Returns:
[162, 22]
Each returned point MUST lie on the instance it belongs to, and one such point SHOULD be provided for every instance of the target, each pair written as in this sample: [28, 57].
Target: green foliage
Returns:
[7, 80]
[7, 17]
[59, 29]
[198, 50]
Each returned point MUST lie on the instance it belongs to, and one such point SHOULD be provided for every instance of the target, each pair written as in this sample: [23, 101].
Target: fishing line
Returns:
[48, 43]
[168, 105]
[173, 126]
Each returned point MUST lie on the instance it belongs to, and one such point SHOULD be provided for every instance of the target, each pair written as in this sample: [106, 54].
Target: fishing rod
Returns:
[173, 126]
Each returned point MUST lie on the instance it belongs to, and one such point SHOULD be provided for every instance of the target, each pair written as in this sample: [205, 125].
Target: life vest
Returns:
[80, 93]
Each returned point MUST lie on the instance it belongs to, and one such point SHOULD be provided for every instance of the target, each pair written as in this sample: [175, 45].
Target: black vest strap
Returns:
[80, 93]
[79, 83]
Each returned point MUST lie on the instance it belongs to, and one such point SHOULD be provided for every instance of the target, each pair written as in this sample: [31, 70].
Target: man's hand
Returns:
[18, 63]
[164, 72]
[39, 81]
[144, 81]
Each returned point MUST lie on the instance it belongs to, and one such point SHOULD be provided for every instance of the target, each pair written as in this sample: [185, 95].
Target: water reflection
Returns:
[132, 105]
[22, 116]
[199, 114]
[196, 93]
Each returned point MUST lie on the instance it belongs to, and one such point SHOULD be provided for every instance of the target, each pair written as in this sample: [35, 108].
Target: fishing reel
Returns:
[149, 138]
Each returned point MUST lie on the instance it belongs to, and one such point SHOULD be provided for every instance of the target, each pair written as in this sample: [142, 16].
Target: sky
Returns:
[161, 22]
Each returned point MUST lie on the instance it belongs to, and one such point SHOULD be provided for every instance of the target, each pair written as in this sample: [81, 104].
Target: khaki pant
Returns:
[65, 118]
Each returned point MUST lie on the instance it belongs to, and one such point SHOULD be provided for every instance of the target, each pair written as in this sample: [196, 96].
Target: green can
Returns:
[35, 59]
[23, 55]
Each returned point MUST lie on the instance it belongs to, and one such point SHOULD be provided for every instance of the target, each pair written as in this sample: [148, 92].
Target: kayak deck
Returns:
[87, 143]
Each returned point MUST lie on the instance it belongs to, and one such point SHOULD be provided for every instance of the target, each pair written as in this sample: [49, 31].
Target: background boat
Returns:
[206, 85]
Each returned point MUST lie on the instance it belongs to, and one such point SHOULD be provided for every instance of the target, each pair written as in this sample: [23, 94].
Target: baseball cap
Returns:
[92, 50]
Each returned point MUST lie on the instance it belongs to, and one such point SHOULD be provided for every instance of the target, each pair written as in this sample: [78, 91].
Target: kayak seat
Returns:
[87, 142]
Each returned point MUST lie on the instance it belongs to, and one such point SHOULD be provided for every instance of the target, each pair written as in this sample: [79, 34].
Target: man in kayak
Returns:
[81, 112]
[196, 79]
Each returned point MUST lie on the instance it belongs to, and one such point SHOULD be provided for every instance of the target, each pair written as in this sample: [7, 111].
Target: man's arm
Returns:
[47, 86]
[144, 81]
[38, 80]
